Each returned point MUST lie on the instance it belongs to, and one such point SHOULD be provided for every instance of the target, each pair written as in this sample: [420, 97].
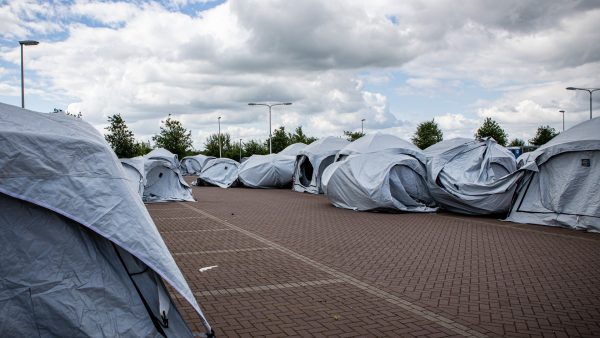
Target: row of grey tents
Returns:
[555, 185]
[81, 256]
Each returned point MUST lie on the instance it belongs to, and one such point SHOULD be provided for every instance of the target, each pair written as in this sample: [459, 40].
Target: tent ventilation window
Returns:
[160, 175]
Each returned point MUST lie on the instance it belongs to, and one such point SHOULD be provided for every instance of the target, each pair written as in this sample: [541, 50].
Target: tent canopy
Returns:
[192, 165]
[222, 172]
[379, 142]
[163, 154]
[135, 173]
[62, 164]
[270, 171]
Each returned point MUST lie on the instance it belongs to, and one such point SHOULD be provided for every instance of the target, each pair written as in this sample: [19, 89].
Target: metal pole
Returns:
[563, 116]
[362, 126]
[219, 136]
[240, 150]
[270, 133]
[591, 91]
[22, 81]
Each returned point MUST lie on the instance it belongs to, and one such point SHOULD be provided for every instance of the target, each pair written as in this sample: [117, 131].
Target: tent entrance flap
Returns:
[306, 171]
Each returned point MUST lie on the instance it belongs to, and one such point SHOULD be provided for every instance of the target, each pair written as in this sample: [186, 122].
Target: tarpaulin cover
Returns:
[381, 181]
[312, 161]
[163, 154]
[64, 165]
[222, 172]
[471, 177]
[379, 142]
[270, 171]
[560, 182]
[192, 165]
[164, 183]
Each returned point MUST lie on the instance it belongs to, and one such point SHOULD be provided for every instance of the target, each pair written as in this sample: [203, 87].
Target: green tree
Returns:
[78, 115]
[491, 128]
[299, 137]
[173, 137]
[353, 135]
[120, 137]
[279, 140]
[142, 148]
[211, 145]
[543, 135]
[516, 142]
[428, 133]
[254, 147]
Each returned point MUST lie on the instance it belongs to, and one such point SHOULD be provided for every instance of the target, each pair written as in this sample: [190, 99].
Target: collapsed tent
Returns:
[270, 171]
[164, 182]
[192, 165]
[380, 181]
[80, 253]
[560, 181]
[222, 172]
[134, 171]
[312, 161]
[471, 177]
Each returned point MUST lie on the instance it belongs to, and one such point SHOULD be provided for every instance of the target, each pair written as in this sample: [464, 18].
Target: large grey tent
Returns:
[379, 172]
[222, 172]
[192, 165]
[270, 171]
[560, 181]
[312, 161]
[471, 177]
[164, 182]
[134, 171]
[80, 254]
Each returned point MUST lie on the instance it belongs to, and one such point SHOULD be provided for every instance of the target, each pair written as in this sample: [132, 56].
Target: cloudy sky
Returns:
[393, 63]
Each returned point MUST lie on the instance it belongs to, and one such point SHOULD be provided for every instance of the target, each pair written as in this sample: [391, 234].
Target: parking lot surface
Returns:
[291, 265]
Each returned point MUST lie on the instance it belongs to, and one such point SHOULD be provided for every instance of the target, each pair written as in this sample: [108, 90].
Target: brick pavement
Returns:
[290, 264]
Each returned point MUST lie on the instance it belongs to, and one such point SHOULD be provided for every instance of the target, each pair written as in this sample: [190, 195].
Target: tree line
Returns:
[178, 140]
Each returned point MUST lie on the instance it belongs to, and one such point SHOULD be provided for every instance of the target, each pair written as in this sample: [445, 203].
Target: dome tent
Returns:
[164, 183]
[270, 171]
[560, 181]
[379, 172]
[134, 171]
[312, 161]
[192, 165]
[73, 260]
[222, 172]
[471, 177]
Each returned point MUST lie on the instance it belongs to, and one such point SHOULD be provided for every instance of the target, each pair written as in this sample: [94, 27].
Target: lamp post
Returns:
[362, 126]
[219, 136]
[24, 43]
[563, 113]
[270, 105]
[240, 150]
[589, 90]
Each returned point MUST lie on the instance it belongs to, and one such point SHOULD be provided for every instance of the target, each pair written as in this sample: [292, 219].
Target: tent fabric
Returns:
[379, 181]
[379, 142]
[64, 165]
[222, 172]
[192, 165]
[560, 182]
[134, 171]
[164, 183]
[312, 161]
[472, 177]
[163, 154]
[270, 171]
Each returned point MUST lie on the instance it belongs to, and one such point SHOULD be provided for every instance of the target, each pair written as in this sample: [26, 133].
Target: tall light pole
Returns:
[362, 126]
[563, 113]
[219, 136]
[270, 130]
[589, 90]
[24, 43]
[240, 150]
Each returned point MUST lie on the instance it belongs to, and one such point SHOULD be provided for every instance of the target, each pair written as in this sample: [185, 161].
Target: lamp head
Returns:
[28, 42]
[571, 88]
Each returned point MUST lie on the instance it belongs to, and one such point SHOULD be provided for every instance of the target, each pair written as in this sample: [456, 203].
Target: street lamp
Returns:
[24, 43]
[270, 105]
[240, 150]
[589, 90]
[563, 113]
[219, 136]
[362, 126]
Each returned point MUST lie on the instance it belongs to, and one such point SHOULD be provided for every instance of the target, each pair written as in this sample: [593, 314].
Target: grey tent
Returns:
[312, 161]
[379, 172]
[134, 171]
[164, 182]
[80, 253]
[192, 165]
[222, 172]
[471, 177]
[560, 181]
[270, 171]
